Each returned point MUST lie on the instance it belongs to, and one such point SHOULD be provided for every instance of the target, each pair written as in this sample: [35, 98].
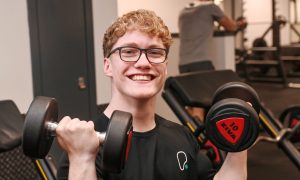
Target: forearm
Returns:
[234, 167]
[228, 24]
[79, 140]
[82, 169]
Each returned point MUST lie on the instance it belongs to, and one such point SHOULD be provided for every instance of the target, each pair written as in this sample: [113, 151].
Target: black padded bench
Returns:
[197, 88]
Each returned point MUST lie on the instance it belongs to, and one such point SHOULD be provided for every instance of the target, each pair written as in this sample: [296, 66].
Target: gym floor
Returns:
[265, 159]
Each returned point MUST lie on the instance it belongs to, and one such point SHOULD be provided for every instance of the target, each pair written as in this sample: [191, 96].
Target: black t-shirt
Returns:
[169, 151]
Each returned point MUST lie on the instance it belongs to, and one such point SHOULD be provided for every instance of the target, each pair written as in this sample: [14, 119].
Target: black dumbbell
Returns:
[41, 122]
[232, 123]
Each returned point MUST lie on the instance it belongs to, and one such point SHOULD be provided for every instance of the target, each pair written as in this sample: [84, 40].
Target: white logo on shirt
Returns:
[182, 160]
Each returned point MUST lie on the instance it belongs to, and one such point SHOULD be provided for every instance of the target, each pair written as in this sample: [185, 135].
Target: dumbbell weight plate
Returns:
[116, 138]
[240, 91]
[232, 125]
[36, 141]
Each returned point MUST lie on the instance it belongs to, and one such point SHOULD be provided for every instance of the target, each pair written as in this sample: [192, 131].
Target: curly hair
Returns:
[143, 20]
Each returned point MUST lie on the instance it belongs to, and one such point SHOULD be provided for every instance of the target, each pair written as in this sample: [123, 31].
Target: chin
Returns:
[145, 94]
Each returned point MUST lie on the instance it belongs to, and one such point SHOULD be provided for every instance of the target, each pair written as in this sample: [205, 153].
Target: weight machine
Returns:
[259, 51]
[181, 92]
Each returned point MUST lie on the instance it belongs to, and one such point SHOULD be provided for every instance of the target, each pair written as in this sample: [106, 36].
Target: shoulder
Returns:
[171, 129]
[167, 123]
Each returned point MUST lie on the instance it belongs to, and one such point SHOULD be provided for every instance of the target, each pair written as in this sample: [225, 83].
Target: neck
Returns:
[142, 111]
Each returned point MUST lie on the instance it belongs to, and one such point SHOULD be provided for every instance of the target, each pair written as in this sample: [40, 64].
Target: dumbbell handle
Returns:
[51, 127]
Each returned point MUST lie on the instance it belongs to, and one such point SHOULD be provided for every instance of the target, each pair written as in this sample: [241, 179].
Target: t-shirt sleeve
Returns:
[217, 12]
[205, 168]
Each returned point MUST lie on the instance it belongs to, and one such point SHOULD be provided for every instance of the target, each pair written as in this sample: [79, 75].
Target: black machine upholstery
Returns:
[14, 164]
[197, 88]
[11, 124]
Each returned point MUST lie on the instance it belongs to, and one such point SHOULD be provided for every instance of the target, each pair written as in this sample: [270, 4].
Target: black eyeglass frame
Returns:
[141, 51]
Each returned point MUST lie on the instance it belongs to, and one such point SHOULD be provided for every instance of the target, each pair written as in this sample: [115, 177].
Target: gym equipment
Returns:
[231, 122]
[41, 122]
[257, 61]
[12, 157]
[290, 117]
[180, 91]
[265, 57]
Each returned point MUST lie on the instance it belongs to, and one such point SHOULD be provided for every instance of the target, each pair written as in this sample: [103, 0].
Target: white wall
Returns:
[15, 60]
[104, 13]
[168, 10]
[259, 16]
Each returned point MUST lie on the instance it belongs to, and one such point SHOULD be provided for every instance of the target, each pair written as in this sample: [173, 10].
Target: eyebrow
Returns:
[133, 44]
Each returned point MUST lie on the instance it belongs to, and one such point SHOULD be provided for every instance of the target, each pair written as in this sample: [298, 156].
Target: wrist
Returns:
[82, 158]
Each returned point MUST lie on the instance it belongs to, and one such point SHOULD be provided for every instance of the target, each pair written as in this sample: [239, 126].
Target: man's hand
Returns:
[78, 138]
[241, 23]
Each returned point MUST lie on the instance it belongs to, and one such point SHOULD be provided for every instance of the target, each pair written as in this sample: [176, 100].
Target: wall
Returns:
[259, 16]
[168, 10]
[295, 19]
[15, 60]
[104, 13]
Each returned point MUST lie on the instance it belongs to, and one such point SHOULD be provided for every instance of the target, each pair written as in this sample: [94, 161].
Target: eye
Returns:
[156, 52]
[127, 52]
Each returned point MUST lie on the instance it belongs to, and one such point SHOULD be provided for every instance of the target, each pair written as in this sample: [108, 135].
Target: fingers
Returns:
[74, 126]
[76, 136]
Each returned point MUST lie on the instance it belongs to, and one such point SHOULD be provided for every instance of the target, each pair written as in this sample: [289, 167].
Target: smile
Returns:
[141, 77]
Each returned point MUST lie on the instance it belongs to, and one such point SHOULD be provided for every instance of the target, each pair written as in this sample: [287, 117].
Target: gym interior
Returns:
[54, 49]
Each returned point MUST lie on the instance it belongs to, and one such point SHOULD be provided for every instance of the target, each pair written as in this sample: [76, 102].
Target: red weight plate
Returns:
[231, 128]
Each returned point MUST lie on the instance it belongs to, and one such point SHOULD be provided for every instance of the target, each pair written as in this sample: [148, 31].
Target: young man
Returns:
[135, 59]
[196, 27]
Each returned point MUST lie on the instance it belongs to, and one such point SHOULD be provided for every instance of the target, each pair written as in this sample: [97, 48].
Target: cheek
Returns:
[119, 70]
[164, 71]
[163, 75]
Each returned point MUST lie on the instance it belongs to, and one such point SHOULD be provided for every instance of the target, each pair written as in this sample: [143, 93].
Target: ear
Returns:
[107, 69]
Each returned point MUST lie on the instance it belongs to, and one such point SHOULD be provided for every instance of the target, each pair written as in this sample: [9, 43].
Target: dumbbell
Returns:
[232, 122]
[41, 122]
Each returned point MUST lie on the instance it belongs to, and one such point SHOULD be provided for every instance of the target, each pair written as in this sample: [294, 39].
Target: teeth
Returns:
[141, 78]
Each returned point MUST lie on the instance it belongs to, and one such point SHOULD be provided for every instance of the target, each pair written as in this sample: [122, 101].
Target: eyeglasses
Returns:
[133, 54]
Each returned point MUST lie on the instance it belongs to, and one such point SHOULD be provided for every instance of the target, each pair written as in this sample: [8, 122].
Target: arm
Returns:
[79, 140]
[232, 25]
[234, 167]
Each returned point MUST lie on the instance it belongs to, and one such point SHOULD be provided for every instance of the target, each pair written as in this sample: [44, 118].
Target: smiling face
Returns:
[138, 80]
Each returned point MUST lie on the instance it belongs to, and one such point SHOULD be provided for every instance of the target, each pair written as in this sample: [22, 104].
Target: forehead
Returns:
[138, 39]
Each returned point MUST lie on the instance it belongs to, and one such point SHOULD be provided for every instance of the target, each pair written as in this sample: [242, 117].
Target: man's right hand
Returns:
[78, 138]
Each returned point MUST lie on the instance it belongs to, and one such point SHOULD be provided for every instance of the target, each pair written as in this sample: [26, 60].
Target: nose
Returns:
[143, 62]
